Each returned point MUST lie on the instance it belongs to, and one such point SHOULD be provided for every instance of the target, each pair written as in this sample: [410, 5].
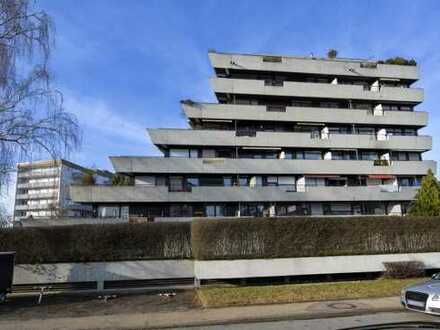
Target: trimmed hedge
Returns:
[86, 243]
[223, 239]
[313, 237]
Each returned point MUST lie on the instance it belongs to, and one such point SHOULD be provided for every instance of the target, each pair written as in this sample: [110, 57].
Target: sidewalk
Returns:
[199, 316]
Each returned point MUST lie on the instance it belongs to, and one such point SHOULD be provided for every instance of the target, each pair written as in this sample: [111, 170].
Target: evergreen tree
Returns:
[427, 200]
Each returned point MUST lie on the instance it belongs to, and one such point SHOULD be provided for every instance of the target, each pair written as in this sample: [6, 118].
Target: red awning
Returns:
[381, 176]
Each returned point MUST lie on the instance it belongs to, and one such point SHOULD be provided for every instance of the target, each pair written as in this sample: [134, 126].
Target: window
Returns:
[193, 182]
[329, 104]
[176, 183]
[275, 108]
[272, 181]
[365, 130]
[363, 106]
[227, 181]
[415, 156]
[343, 155]
[211, 181]
[180, 153]
[193, 153]
[243, 181]
[369, 155]
[180, 210]
[312, 155]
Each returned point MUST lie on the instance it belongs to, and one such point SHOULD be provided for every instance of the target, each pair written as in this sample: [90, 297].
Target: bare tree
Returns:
[32, 117]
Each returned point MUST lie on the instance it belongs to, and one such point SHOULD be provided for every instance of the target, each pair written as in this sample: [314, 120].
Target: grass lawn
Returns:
[288, 293]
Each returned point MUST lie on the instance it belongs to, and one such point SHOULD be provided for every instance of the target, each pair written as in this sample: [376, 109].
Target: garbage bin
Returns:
[6, 273]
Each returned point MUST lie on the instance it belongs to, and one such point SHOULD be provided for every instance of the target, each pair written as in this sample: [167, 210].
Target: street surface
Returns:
[327, 323]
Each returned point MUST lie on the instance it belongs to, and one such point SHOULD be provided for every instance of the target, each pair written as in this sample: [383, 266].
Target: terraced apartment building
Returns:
[288, 136]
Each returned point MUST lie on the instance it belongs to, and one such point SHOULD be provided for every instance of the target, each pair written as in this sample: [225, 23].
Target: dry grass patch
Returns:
[289, 293]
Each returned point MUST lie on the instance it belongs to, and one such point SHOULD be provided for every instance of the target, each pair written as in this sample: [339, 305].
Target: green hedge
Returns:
[84, 243]
[312, 237]
[223, 239]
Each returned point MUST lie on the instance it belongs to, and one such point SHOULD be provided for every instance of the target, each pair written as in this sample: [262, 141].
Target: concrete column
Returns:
[375, 87]
[324, 133]
[272, 210]
[385, 156]
[301, 184]
[378, 110]
[382, 134]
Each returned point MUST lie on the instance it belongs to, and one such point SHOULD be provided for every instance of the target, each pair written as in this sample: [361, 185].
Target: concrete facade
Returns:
[101, 272]
[209, 111]
[42, 189]
[289, 136]
[183, 137]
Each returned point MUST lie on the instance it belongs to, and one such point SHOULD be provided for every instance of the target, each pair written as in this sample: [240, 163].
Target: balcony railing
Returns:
[381, 162]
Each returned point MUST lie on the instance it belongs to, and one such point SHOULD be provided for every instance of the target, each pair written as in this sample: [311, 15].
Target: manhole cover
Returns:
[342, 306]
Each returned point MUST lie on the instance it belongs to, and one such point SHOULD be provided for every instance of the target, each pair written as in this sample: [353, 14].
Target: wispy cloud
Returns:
[98, 116]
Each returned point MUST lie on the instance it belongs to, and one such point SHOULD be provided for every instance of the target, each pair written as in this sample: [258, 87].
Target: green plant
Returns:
[88, 179]
[313, 237]
[404, 269]
[87, 243]
[122, 180]
[400, 61]
[332, 53]
[427, 199]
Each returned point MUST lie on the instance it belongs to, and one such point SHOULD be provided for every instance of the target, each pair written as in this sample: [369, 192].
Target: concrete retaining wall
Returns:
[223, 269]
[103, 271]
[215, 269]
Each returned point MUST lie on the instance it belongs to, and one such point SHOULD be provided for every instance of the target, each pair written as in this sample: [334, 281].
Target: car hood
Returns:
[432, 287]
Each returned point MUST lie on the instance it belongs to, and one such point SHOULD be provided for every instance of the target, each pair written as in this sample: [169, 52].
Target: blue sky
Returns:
[124, 65]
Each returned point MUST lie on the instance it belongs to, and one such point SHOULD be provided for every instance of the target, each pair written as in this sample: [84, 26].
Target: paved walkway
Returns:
[199, 316]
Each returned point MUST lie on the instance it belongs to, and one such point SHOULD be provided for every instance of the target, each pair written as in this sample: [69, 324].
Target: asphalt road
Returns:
[329, 323]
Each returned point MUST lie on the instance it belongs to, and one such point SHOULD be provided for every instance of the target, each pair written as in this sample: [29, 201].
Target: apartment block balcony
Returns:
[27, 185]
[38, 174]
[185, 137]
[38, 196]
[263, 166]
[336, 67]
[33, 207]
[140, 194]
[315, 90]
[215, 111]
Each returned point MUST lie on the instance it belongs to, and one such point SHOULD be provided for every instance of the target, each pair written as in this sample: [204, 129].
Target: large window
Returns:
[368, 155]
[184, 153]
[343, 155]
[181, 210]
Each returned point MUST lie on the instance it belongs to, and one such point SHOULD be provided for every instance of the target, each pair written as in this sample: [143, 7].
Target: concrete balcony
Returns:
[315, 90]
[336, 67]
[38, 185]
[188, 137]
[34, 207]
[207, 111]
[145, 165]
[36, 174]
[139, 194]
[37, 196]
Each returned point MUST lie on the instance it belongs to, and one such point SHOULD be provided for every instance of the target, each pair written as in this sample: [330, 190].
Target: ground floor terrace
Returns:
[154, 211]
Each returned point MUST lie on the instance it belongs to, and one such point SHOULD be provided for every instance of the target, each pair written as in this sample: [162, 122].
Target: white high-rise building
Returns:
[42, 189]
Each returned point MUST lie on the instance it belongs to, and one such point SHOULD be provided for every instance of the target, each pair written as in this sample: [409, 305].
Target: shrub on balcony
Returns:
[427, 199]
[122, 180]
[332, 53]
[399, 61]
